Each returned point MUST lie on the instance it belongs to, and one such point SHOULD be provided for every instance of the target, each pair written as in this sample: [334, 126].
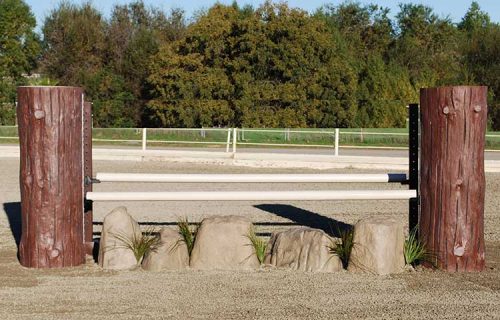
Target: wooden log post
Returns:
[452, 185]
[51, 176]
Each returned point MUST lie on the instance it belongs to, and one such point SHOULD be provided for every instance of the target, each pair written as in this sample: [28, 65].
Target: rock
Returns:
[222, 243]
[304, 249]
[113, 253]
[171, 254]
[378, 246]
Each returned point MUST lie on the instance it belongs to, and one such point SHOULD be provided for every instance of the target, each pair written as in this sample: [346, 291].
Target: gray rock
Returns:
[378, 246]
[303, 249]
[222, 243]
[171, 254]
[113, 253]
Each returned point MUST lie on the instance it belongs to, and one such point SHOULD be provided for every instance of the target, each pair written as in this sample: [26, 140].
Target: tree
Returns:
[474, 19]
[73, 42]
[19, 50]
[383, 88]
[134, 35]
[427, 46]
[481, 54]
[274, 66]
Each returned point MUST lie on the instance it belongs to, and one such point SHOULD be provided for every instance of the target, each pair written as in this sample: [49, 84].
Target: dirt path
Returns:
[87, 292]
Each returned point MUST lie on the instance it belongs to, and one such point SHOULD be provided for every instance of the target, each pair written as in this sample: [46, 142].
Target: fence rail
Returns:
[231, 138]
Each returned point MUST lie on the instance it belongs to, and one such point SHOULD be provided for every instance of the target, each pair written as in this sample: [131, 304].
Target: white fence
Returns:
[232, 138]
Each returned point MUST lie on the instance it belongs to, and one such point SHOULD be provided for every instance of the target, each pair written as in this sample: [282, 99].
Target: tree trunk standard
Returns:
[51, 176]
[453, 122]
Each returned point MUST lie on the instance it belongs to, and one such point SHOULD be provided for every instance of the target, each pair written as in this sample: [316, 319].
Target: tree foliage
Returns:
[19, 50]
[271, 66]
[109, 58]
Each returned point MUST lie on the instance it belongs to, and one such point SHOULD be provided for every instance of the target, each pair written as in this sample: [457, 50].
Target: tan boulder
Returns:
[117, 226]
[304, 249]
[222, 243]
[171, 254]
[378, 246]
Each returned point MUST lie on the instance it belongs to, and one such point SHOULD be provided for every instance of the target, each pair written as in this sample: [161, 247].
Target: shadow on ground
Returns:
[306, 218]
[297, 217]
[13, 211]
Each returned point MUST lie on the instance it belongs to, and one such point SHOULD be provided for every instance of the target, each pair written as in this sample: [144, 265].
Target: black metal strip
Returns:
[413, 164]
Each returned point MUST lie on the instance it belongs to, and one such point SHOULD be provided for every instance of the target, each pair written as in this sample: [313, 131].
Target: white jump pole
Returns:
[250, 178]
[254, 195]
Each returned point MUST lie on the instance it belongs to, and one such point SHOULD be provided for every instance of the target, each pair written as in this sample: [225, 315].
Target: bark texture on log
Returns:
[51, 176]
[452, 185]
[87, 172]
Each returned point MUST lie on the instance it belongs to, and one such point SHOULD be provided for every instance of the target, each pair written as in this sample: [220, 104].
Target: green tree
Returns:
[74, 42]
[481, 50]
[427, 46]
[134, 35]
[383, 88]
[274, 66]
[19, 50]
[475, 19]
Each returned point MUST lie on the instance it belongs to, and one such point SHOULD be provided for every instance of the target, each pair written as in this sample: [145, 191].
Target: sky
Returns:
[455, 9]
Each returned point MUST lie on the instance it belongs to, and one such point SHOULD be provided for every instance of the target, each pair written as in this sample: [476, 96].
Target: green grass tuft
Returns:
[188, 235]
[140, 243]
[415, 251]
[343, 247]
[259, 244]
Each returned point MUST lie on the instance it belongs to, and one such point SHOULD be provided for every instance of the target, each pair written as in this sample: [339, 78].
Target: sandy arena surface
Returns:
[88, 292]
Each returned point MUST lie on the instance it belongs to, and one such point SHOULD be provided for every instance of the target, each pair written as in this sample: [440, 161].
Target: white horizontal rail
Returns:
[188, 129]
[115, 140]
[287, 145]
[187, 142]
[249, 178]
[374, 133]
[284, 130]
[254, 195]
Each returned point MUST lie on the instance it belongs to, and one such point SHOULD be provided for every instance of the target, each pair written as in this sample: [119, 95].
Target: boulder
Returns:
[171, 254]
[222, 243]
[304, 249]
[378, 246]
[117, 226]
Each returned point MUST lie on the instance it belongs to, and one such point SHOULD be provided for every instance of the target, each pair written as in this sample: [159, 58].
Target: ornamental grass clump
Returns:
[141, 243]
[188, 235]
[343, 246]
[259, 245]
[415, 251]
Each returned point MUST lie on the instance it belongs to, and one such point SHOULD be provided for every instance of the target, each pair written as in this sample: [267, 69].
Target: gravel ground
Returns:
[88, 292]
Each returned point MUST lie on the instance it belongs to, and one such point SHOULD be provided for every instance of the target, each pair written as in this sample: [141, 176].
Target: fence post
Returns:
[228, 142]
[234, 139]
[51, 176]
[337, 133]
[144, 138]
[452, 179]
[87, 163]
[413, 129]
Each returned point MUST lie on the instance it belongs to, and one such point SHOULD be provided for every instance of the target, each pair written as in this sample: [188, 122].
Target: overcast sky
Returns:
[454, 8]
